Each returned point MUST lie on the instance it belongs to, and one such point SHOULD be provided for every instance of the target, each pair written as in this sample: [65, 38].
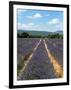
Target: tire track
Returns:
[29, 58]
[57, 67]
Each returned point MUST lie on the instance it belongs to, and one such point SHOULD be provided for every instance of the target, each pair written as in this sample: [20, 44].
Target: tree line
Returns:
[26, 35]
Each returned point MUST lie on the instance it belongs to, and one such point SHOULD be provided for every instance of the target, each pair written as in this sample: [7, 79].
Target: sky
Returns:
[39, 20]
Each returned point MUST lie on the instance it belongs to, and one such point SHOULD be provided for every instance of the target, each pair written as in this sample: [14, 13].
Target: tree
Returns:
[24, 34]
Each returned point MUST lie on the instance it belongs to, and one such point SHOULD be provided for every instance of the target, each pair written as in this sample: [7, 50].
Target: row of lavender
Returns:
[25, 46]
[56, 48]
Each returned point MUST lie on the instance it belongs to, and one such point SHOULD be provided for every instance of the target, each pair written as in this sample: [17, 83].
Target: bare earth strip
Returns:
[56, 51]
[29, 58]
[57, 67]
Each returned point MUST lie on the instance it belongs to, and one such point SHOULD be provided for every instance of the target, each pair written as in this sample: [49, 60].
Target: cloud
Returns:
[32, 26]
[25, 26]
[59, 26]
[54, 21]
[35, 16]
[55, 24]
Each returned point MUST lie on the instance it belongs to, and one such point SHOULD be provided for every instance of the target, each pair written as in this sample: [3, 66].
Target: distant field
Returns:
[38, 58]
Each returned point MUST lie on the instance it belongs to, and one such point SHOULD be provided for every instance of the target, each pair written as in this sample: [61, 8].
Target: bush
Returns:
[55, 36]
[22, 35]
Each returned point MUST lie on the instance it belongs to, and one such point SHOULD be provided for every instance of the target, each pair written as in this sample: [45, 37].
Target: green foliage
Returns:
[55, 36]
[24, 34]
[27, 35]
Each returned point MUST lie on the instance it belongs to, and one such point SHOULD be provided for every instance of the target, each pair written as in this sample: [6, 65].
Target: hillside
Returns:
[39, 33]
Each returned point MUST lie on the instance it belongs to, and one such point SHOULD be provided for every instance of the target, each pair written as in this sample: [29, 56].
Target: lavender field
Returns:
[39, 58]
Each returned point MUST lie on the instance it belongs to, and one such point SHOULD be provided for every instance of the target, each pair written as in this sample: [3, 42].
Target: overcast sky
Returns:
[40, 20]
